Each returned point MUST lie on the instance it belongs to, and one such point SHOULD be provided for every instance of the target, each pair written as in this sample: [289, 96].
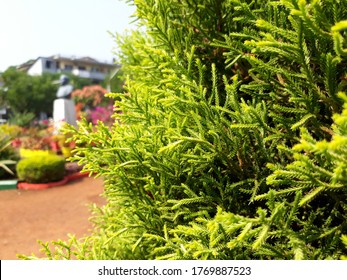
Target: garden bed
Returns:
[68, 178]
[42, 186]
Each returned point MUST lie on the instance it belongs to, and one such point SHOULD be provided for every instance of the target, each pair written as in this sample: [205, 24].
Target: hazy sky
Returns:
[33, 28]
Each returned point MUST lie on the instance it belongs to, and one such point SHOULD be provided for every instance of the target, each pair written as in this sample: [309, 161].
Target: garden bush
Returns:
[41, 169]
[232, 141]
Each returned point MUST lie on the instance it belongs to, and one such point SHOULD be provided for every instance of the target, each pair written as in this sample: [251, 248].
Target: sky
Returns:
[33, 28]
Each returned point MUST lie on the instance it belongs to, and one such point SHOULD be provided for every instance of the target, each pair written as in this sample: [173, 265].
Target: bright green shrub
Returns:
[41, 169]
[225, 145]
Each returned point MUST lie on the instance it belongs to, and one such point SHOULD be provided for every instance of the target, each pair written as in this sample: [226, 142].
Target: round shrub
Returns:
[41, 169]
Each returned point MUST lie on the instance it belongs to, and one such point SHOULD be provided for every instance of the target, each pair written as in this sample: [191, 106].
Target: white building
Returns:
[84, 67]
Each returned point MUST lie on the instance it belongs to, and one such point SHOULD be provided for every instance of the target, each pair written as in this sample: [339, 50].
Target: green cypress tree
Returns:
[225, 147]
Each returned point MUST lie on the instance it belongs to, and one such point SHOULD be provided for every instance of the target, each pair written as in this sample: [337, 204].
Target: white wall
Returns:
[36, 68]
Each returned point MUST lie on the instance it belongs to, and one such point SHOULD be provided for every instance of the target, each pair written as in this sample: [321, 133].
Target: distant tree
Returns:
[25, 93]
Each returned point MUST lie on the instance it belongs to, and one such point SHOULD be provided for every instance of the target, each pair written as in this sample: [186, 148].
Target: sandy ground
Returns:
[51, 214]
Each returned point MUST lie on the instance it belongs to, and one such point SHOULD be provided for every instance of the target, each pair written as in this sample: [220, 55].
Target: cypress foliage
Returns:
[232, 140]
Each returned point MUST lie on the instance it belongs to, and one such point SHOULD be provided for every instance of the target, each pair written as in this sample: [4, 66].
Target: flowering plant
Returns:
[34, 138]
[90, 96]
[103, 114]
[35, 143]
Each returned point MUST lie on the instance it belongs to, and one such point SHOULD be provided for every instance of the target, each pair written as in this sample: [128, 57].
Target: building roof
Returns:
[86, 59]
[26, 65]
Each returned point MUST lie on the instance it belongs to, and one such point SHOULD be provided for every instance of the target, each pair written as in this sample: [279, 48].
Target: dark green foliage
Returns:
[28, 96]
[227, 147]
[41, 169]
[25, 93]
[23, 119]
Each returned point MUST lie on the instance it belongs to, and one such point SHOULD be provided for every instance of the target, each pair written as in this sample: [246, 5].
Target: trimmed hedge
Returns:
[41, 169]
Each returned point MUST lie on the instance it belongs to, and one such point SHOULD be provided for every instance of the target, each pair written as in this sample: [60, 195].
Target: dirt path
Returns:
[28, 216]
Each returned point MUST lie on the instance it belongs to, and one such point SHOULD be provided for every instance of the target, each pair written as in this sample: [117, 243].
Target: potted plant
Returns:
[36, 142]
